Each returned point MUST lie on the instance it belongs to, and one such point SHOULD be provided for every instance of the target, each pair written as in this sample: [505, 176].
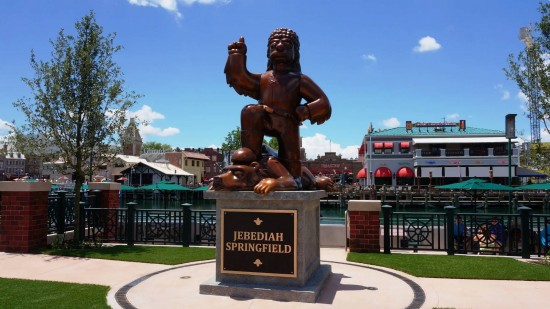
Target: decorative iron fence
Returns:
[60, 212]
[131, 225]
[150, 226]
[519, 234]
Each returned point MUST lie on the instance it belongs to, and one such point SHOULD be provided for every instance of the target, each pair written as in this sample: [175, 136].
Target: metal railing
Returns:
[150, 226]
[523, 234]
[60, 212]
[131, 225]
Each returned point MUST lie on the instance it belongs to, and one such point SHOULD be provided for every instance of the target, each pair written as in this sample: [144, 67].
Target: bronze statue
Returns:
[279, 112]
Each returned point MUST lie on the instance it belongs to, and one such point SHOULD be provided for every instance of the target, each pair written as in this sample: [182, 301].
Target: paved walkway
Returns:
[350, 285]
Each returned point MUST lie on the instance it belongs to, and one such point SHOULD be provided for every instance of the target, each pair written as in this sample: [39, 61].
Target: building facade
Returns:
[332, 165]
[429, 154]
[190, 161]
[131, 140]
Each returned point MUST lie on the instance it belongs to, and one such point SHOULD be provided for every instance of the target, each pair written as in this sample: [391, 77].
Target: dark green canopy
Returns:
[127, 188]
[475, 184]
[165, 186]
[536, 186]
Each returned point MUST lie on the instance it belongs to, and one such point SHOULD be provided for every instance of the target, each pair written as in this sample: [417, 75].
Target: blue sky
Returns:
[383, 62]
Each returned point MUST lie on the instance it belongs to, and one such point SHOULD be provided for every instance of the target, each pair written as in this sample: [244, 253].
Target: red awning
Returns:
[362, 173]
[405, 172]
[378, 145]
[388, 145]
[382, 172]
[362, 149]
[405, 145]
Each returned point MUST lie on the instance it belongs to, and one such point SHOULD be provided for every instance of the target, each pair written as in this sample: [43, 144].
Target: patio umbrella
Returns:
[203, 188]
[536, 186]
[474, 185]
[127, 188]
[165, 186]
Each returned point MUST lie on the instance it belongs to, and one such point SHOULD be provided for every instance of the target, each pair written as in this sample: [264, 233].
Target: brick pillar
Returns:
[23, 216]
[364, 225]
[108, 198]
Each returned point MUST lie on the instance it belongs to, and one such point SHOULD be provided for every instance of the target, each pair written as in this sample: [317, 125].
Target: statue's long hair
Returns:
[288, 33]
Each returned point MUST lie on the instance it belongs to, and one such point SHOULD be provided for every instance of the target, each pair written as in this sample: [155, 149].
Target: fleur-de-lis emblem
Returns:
[257, 262]
[258, 221]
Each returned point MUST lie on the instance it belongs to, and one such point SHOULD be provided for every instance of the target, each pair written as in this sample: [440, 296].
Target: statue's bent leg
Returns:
[253, 126]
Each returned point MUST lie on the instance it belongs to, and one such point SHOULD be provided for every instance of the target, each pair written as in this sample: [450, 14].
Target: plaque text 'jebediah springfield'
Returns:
[259, 242]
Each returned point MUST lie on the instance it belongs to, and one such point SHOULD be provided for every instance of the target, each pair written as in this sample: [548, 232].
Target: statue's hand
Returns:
[303, 112]
[237, 47]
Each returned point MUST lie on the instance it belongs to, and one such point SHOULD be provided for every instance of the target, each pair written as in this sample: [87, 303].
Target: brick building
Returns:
[334, 166]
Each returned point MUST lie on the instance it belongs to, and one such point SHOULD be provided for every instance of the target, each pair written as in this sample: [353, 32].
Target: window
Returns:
[388, 147]
[404, 147]
[378, 147]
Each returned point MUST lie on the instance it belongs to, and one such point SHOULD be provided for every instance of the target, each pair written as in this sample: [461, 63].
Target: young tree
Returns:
[78, 106]
[232, 140]
[156, 146]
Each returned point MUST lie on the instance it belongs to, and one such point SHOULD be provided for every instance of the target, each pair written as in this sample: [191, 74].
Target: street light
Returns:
[510, 133]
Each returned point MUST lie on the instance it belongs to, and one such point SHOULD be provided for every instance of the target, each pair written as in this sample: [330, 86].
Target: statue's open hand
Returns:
[237, 47]
[265, 186]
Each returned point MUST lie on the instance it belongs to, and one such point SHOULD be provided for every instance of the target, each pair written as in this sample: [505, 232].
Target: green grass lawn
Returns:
[456, 266]
[18, 293]
[145, 254]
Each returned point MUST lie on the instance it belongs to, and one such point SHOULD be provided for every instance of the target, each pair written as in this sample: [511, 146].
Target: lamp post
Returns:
[510, 133]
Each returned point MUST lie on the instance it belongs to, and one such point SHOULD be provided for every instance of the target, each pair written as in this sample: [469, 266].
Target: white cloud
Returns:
[4, 127]
[369, 57]
[147, 116]
[427, 44]
[544, 136]
[319, 144]
[524, 101]
[505, 93]
[452, 116]
[148, 130]
[391, 122]
[172, 5]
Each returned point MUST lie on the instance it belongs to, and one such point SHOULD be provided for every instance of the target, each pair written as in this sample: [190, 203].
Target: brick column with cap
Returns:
[23, 216]
[364, 225]
[108, 198]
[109, 195]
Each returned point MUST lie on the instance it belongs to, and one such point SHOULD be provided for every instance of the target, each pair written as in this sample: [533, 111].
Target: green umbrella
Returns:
[474, 185]
[203, 188]
[165, 186]
[536, 186]
[127, 188]
[463, 185]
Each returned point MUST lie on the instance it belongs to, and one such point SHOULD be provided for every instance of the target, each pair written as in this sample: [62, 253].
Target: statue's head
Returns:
[284, 45]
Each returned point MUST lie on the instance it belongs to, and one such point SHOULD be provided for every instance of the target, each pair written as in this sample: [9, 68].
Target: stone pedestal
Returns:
[23, 216]
[267, 246]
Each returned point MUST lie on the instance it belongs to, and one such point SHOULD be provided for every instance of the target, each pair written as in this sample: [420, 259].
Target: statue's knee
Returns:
[251, 110]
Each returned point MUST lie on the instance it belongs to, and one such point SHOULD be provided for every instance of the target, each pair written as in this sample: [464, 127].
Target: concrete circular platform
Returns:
[350, 285]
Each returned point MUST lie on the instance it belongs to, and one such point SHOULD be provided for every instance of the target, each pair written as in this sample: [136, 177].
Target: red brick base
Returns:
[23, 221]
[364, 233]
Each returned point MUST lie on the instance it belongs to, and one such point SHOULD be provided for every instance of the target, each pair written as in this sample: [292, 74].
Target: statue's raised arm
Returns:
[236, 73]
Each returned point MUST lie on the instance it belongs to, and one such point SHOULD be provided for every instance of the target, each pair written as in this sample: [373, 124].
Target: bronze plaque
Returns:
[259, 242]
